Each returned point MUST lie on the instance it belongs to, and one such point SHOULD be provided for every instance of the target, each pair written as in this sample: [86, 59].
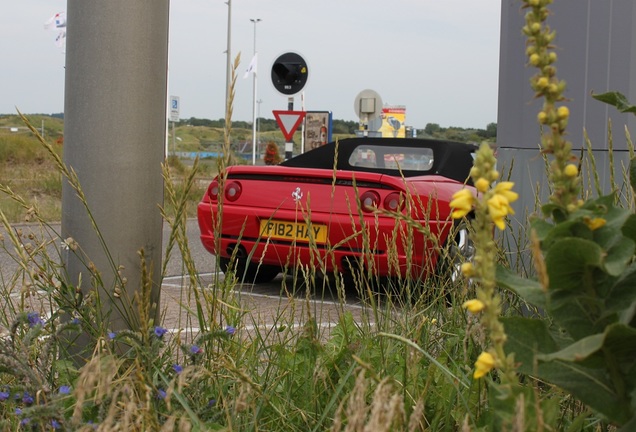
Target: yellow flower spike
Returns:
[482, 185]
[563, 112]
[462, 203]
[542, 117]
[484, 364]
[505, 188]
[543, 82]
[594, 223]
[498, 209]
[571, 170]
[535, 28]
[468, 269]
[535, 59]
[474, 172]
[474, 306]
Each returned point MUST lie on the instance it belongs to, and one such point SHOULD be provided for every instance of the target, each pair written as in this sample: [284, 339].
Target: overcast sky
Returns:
[438, 58]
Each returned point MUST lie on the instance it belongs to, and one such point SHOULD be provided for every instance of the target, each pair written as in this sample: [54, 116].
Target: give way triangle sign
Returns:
[288, 121]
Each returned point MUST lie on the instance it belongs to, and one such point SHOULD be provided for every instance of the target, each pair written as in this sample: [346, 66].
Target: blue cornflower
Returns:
[4, 395]
[55, 424]
[112, 335]
[194, 349]
[230, 330]
[160, 331]
[25, 421]
[177, 368]
[211, 403]
[65, 389]
[161, 394]
[27, 398]
[18, 411]
[34, 319]
[75, 321]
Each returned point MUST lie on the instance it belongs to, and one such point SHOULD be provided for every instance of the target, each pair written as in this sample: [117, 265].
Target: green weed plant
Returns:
[438, 353]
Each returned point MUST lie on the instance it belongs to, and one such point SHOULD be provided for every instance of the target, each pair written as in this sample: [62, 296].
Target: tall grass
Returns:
[400, 360]
[332, 352]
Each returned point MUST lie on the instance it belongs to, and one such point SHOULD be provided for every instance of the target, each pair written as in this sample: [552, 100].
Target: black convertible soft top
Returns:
[451, 159]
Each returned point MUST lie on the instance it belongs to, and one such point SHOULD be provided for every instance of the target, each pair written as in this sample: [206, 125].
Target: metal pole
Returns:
[289, 146]
[174, 140]
[258, 125]
[114, 139]
[229, 56]
[255, 21]
[302, 126]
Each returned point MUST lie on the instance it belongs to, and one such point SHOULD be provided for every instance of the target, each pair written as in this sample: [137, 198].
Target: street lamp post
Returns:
[254, 21]
[229, 55]
[258, 126]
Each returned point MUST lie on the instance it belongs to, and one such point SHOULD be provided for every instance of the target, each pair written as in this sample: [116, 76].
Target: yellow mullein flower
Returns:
[484, 364]
[482, 185]
[594, 223]
[468, 269]
[498, 209]
[563, 112]
[474, 306]
[462, 203]
[571, 170]
[505, 188]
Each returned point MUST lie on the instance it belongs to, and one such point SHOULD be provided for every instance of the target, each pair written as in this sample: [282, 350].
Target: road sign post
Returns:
[289, 121]
[289, 75]
[175, 105]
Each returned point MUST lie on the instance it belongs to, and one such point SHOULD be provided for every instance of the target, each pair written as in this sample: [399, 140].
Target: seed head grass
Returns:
[338, 352]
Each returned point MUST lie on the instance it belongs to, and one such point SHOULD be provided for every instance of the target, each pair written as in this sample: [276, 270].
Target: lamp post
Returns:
[258, 126]
[254, 21]
[229, 55]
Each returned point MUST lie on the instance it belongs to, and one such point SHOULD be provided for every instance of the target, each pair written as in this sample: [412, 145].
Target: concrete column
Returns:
[114, 138]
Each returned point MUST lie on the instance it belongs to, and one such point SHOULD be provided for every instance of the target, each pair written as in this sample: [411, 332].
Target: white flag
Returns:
[251, 68]
[60, 41]
[57, 21]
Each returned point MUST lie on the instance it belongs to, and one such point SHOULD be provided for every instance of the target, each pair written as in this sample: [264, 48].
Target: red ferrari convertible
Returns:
[374, 203]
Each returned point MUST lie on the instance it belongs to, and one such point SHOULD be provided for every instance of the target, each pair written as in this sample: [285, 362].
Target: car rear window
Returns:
[392, 157]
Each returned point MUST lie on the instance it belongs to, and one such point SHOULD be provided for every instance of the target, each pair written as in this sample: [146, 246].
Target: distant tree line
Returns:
[350, 127]
[432, 130]
[435, 130]
[265, 125]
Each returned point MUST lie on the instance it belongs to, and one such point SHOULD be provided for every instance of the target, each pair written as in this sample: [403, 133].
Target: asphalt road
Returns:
[203, 260]
[264, 301]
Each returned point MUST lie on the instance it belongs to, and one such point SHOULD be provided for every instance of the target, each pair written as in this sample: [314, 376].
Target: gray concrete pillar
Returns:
[114, 138]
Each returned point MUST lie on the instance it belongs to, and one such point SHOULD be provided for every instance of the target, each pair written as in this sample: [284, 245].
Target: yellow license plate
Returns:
[293, 231]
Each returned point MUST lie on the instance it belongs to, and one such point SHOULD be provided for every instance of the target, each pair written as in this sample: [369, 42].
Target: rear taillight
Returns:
[370, 200]
[213, 191]
[233, 191]
[394, 202]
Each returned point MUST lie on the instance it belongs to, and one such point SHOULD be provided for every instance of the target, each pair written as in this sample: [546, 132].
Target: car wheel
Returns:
[224, 263]
[460, 249]
[254, 274]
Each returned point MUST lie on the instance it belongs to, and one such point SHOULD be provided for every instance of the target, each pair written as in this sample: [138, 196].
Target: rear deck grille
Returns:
[308, 180]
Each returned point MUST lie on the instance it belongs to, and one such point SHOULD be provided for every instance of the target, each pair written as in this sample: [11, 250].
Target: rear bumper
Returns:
[381, 247]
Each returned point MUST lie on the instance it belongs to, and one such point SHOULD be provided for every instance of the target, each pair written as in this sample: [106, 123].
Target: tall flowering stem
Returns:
[540, 51]
[490, 207]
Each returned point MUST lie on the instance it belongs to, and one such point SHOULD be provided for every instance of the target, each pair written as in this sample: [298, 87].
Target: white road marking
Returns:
[253, 294]
[327, 325]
